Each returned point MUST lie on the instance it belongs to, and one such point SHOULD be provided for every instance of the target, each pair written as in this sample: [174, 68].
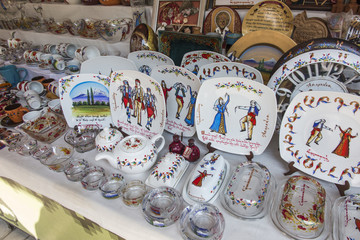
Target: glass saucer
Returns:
[76, 169]
[202, 221]
[111, 186]
[162, 206]
[133, 193]
[93, 179]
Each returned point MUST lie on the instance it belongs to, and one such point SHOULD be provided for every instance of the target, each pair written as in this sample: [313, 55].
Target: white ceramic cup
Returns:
[23, 86]
[36, 86]
[54, 87]
[73, 66]
[33, 99]
[32, 116]
[58, 62]
[79, 54]
[90, 52]
[55, 105]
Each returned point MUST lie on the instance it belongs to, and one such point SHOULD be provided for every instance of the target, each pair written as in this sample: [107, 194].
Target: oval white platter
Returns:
[137, 109]
[84, 99]
[224, 118]
[195, 59]
[314, 134]
[180, 88]
[146, 60]
[229, 69]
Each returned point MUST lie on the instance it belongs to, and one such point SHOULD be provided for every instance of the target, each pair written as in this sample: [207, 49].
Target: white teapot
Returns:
[134, 154]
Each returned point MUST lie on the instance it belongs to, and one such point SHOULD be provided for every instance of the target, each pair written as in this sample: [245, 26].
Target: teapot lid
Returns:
[132, 144]
[109, 135]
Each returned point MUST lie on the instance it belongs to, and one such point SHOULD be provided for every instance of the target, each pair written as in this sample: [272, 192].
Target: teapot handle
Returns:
[156, 138]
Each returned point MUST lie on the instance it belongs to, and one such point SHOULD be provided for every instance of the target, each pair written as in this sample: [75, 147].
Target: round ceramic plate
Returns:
[145, 61]
[235, 115]
[84, 99]
[269, 15]
[318, 70]
[320, 134]
[105, 65]
[195, 59]
[229, 69]
[137, 103]
[261, 50]
[222, 20]
[180, 88]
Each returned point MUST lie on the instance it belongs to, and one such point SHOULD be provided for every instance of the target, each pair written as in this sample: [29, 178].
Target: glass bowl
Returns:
[76, 169]
[111, 186]
[301, 209]
[133, 193]
[249, 191]
[82, 138]
[43, 150]
[24, 145]
[58, 157]
[93, 179]
[116, 30]
[162, 206]
[202, 221]
[346, 217]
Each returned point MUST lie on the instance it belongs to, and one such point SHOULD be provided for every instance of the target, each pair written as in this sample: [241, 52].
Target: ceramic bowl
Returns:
[346, 217]
[133, 193]
[162, 206]
[202, 221]
[206, 179]
[115, 30]
[167, 171]
[301, 209]
[111, 186]
[94, 178]
[107, 139]
[249, 191]
[58, 157]
[76, 169]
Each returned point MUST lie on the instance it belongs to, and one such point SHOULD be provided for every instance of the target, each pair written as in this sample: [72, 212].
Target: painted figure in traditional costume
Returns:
[316, 134]
[343, 148]
[138, 98]
[150, 107]
[198, 180]
[219, 124]
[180, 93]
[249, 120]
[165, 90]
[125, 89]
[190, 117]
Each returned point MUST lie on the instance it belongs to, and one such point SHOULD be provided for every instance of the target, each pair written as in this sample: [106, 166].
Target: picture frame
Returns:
[322, 5]
[181, 15]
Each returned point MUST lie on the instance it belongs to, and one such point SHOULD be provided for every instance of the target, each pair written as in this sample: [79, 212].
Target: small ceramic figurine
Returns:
[176, 146]
[192, 152]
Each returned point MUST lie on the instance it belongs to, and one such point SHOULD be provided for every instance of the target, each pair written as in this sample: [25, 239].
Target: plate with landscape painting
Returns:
[235, 115]
[320, 134]
[261, 50]
[137, 103]
[229, 69]
[146, 60]
[195, 59]
[180, 88]
[84, 99]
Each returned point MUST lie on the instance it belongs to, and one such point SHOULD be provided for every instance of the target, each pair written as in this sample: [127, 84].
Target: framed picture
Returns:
[183, 16]
[236, 3]
[322, 5]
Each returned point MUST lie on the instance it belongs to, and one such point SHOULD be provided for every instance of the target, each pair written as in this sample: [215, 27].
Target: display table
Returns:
[113, 215]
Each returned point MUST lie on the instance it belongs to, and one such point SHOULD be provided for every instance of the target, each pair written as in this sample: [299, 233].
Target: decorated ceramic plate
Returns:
[235, 115]
[270, 15]
[146, 60]
[222, 20]
[175, 44]
[261, 50]
[195, 59]
[180, 88]
[229, 69]
[318, 70]
[137, 103]
[105, 65]
[319, 133]
[84, 99]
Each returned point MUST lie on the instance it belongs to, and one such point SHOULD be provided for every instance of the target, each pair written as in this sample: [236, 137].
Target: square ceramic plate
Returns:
[319, 133]
[235, 115]
[105, 65]
[84, 99]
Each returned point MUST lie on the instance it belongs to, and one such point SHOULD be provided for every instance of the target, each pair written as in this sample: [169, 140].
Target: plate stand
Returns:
[250, 156]
[343, 188]
[210, 148]
[292, 169]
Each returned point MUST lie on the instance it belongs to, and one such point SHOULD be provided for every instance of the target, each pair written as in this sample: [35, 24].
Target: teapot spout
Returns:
[108, 156]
